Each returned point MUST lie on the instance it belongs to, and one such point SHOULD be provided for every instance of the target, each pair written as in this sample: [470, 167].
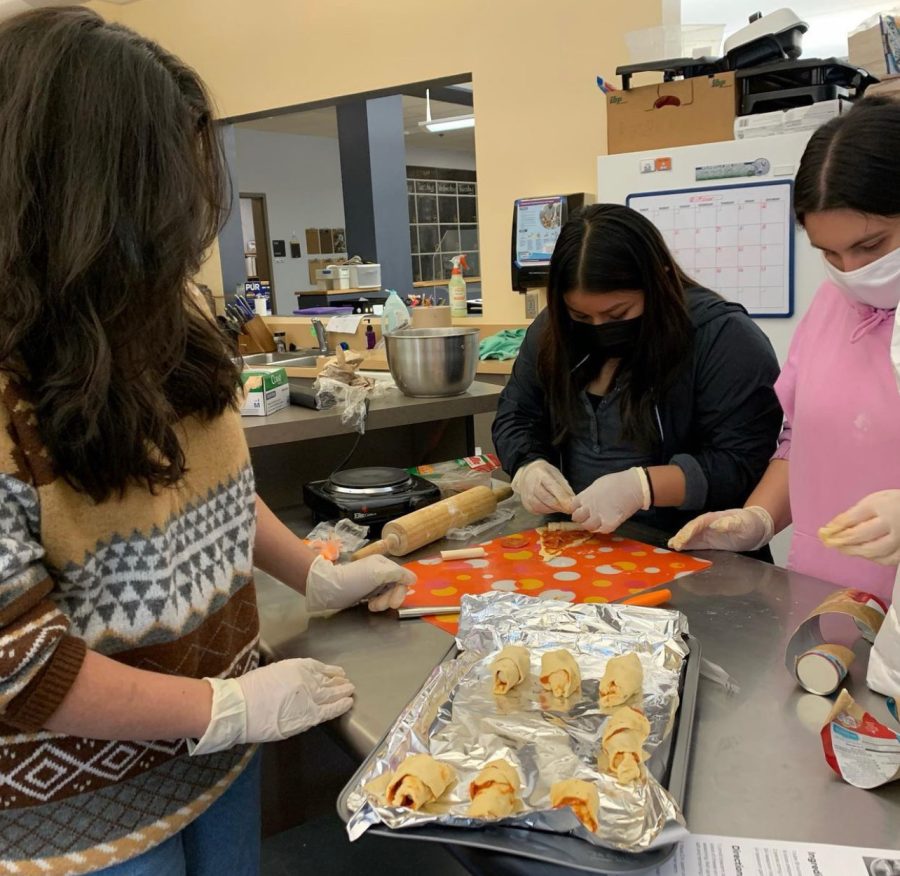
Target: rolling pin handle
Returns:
[376, 547]
[502, 491]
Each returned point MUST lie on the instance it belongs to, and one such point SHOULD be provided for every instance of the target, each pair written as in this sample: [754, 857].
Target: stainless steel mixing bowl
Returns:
[433, 362]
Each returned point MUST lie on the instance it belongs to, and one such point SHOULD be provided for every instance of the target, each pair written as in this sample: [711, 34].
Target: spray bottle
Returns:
[458, 287]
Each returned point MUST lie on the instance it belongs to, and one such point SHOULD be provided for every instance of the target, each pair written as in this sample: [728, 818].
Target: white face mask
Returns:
[876, 284]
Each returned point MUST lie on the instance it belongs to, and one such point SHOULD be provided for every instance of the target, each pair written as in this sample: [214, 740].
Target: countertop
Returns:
[757, 767]
[392, 409]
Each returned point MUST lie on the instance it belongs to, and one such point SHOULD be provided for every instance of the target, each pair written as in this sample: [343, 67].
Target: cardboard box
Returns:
[877, 48]
[266, 390]
[697, 110]
[888, 87]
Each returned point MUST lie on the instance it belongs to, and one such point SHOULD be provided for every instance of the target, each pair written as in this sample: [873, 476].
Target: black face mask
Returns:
[611, 340]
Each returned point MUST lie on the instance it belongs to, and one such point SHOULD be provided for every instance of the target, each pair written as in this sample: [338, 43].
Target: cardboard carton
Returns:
[697, 110]
[877, 48]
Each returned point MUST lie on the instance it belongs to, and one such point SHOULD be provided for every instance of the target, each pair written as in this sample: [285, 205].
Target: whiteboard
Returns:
[735, 239]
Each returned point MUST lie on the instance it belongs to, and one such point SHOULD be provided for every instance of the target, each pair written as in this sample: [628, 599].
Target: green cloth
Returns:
[503, 345]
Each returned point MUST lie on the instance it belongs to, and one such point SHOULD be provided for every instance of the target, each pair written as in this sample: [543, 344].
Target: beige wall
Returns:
[540, 118]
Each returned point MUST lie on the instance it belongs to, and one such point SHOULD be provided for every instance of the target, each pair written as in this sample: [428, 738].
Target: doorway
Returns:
[257, 245]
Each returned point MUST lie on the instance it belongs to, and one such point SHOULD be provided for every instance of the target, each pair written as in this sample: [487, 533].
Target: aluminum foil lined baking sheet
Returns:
[456, 718]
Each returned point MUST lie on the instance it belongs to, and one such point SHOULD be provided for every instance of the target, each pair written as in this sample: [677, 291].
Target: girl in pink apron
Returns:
[840, 447]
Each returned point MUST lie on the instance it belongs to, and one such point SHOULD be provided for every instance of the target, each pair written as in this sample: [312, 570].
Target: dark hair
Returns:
[112, 187]
[851, 162]
[604, 248]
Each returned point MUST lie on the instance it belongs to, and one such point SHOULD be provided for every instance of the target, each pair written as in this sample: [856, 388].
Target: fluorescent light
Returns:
[452, 123]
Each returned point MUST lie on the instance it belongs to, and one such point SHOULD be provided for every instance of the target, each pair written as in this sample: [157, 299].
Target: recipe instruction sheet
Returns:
[701, 855]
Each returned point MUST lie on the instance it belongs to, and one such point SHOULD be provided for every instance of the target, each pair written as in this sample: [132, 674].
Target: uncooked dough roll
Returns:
[419, 780]
[559, 673]
[581, 797]
[494, 790]
[510, 668]
[623, 678]
[622, 746]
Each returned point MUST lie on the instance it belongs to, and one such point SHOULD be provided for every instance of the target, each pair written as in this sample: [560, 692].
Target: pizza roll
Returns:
[511, 667]
[494, 790]
[419, 780]
[581, 797]
[377, 788]
[623, 678]
[622, 746]
[559, 673]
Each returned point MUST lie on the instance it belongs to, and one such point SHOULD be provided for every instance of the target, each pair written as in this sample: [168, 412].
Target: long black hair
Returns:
[112, 187]
[851, 162]
[605, 248]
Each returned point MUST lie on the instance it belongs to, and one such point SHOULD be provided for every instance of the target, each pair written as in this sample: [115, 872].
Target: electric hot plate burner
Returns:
[369, 496]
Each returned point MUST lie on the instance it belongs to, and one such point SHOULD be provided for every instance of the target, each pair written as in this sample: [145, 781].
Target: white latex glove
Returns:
[739, 530]
[331, 588]
[608, 502]
[273, 702]
[543, 489]
[870, 529]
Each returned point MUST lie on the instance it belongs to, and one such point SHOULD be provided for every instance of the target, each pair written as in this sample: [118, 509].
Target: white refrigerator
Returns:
[683, 170]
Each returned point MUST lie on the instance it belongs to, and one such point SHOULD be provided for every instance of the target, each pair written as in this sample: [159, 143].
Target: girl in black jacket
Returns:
[636, 391]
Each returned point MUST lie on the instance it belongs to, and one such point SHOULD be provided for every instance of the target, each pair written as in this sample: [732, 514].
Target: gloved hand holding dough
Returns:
[559, 673]
[510, 668]
[494, 790]
[543, 488]
[622, 746]
[739, 529]
[419, 780]
[623, 678]
[870, 529]
[581, 797]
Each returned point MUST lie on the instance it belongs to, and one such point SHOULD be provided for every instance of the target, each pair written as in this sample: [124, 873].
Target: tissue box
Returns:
[265, 392]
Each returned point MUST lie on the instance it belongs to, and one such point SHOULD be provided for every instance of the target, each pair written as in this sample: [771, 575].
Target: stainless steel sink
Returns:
[284, 360]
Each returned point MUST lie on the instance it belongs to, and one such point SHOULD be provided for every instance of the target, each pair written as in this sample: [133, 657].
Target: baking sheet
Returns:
[456, 718]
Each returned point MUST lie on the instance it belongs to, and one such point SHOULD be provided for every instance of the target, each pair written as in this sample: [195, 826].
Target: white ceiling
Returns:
[829, 20]
[323, 123]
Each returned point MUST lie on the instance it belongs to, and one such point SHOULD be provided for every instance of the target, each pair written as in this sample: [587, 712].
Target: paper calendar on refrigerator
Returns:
[737, 240]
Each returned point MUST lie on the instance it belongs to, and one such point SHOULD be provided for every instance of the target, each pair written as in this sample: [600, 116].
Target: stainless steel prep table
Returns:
[757, 768]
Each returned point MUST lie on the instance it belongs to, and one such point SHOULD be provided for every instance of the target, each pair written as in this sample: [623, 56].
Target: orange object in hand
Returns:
[657, 597]
[328, 550]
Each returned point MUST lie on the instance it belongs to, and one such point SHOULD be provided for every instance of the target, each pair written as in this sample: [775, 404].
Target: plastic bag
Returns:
[339, 540]
[458, 475]
[505, 512]
[340, 383]
[350, 399]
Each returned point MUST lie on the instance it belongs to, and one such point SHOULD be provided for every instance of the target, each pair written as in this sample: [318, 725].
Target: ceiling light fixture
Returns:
[450, 123]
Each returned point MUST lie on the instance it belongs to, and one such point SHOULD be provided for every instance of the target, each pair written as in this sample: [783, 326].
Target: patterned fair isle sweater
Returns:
[162, 582]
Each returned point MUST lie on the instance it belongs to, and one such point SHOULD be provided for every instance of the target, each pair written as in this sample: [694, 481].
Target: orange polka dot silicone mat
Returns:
[603, 569]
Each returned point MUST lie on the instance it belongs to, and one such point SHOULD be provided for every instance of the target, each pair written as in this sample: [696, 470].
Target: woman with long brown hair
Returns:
[636, 392]
[130, 696]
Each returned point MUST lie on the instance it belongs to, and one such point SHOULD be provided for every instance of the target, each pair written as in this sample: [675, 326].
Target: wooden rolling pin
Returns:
[412, 531]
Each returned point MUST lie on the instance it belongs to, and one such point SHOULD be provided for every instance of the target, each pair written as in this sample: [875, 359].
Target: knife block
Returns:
[255, 337]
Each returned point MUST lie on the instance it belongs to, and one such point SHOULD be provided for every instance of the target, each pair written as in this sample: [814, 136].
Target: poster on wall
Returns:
[538, 223]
